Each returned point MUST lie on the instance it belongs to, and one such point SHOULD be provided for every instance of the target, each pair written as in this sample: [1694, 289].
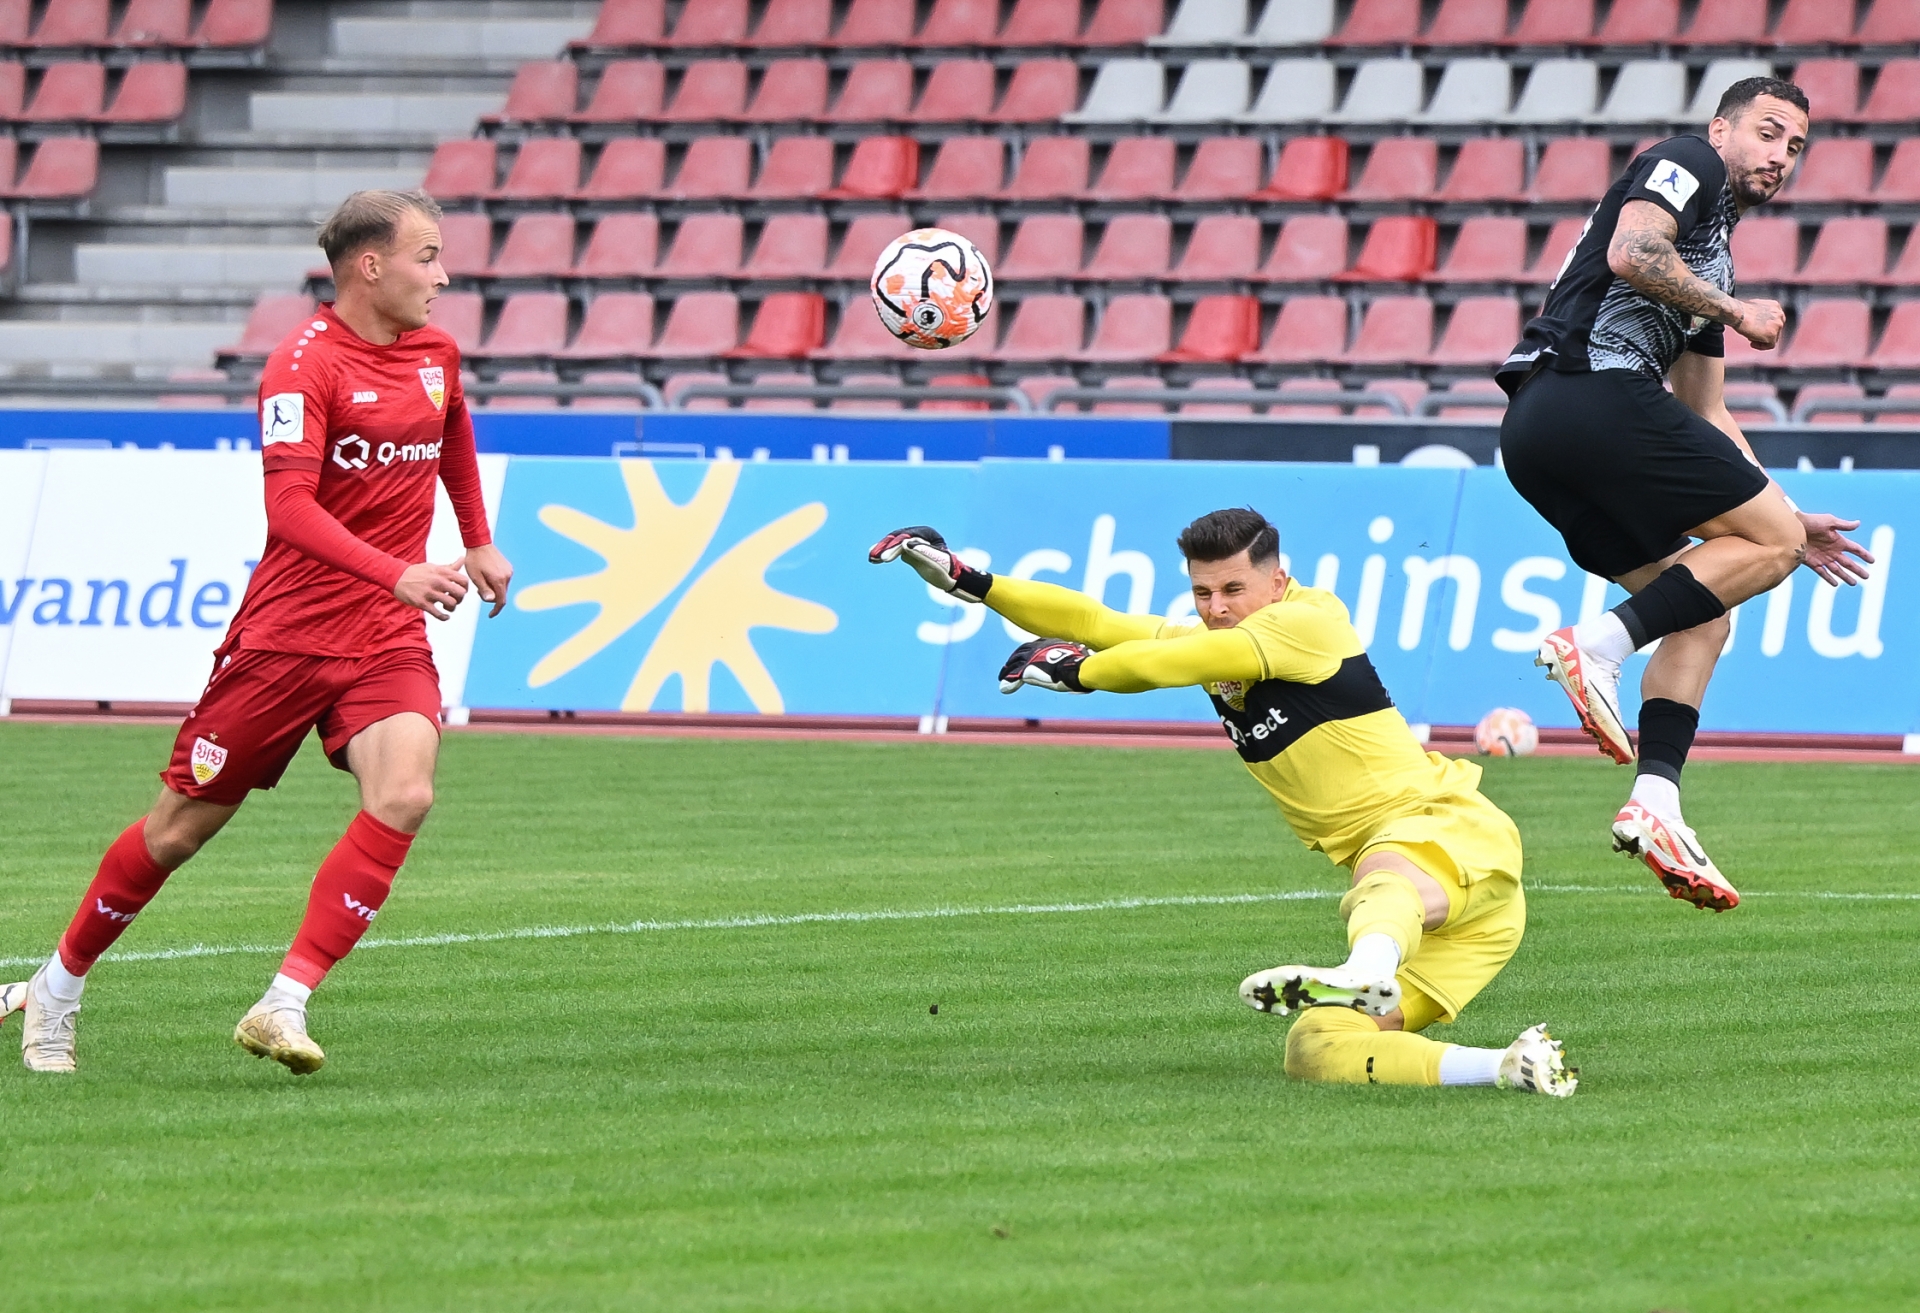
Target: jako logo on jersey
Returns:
[208, 758]
[1673, 182]
[360, 398]
[359, 908]
[434, 380]
[283, 418]
[111, 915]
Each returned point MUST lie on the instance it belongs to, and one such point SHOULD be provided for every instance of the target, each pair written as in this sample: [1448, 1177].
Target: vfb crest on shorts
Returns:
[434, 380]
[208, 758]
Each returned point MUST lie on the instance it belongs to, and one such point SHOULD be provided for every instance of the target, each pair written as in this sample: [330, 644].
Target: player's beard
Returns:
[1754, 189]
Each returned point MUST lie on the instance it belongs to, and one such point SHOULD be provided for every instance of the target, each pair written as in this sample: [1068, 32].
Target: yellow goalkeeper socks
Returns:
[1341, 1046]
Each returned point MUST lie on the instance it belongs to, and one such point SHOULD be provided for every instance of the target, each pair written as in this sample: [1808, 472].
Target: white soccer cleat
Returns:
[1593, 686]
[1535, 1063]
[1289, 989]
[1672, 852]
[280, 1034]
[12, 998]
[46, 1039]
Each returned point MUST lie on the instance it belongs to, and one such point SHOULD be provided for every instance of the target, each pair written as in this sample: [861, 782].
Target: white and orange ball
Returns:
[932, 288]
[1506, 732]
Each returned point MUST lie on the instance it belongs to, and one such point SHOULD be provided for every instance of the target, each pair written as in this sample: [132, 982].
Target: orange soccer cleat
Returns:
[1593, 686]
[1673, 853]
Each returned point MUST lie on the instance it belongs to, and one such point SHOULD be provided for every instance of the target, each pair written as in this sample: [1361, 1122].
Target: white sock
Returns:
[1657, 794]
[1604, 637]
[286, 992]
[1460, 1065]
[1373, 957]
[62, 985]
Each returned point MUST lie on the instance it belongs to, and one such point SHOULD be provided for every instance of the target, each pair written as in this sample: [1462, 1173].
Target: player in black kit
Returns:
[1629, 472]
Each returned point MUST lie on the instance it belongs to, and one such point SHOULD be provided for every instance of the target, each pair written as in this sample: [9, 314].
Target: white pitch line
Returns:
[883, 914]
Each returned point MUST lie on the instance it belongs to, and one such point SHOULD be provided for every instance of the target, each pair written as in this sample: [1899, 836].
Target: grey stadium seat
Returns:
[1558, 91]
[1384, 91]
[1721, 74]
[1210, 91]
[1293, 23]
[1123, 91]
[1646, 91]
[1296, 91]
[1471, 91]
[1205, 23]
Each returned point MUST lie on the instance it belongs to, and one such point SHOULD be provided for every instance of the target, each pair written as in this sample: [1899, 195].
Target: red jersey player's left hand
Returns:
[491, 574]
[1828, 550]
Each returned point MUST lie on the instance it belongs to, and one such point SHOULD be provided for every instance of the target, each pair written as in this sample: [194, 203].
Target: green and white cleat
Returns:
[1535, 1063]
[1289, 989]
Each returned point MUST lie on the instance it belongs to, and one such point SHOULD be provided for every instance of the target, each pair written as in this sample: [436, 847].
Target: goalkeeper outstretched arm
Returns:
[1205, 656]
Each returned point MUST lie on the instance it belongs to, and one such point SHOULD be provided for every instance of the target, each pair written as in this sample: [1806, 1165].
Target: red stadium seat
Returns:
[71, 23]
[882, 168]
[1481, 331]
[1815, 23]
[1899, 345]
[1895, 97]
[1048, 327]
[1828, 334]
[1222, 169]
[706, 246]
[790, 246]
[523, 376]
[537, 246]
[1137, 326]
[1395, 330]
[542, 90]
[1398, 169]
[273, 318]
[1834, 169]
[678, 382]
[700, 324]
[876, 23]
[861, 336]
[1481, 399]
[622, 246]
[1123, 22]
[1138, 168]
[876, 91]
[1488, 169]
[894, 403]
[13, 22]
[1817, 392]
[1311, 248]
[1219, 409]
[711, 23]
[1317, 410]
[1561, 239]
[1044, 246]
[1310, 169]
[68, 92]
[791, 90]
[628, 90]
[1575, 169]
[13, 90]
[1051, 168]
[796, 168]
[1832, 87]
[958, 90]
[1851, 250]
[1041, 23]
[1400, 248]
[713, 168]
[547, 168]
[983, 230]
[1225, 246]
[1900, 392]
[1640, 23]
[629, 168]
[466, 244]
[1309, 329]
[1490, 248]
[862, 243]
[1219, 329]
[1748, 401]
[153, 23]
[1041, 91]
[1381, 23]
[1766, 250]
[1129, 383]
[151, 92]
[1900, 184]
[1890, 23]
[627, 23]
[794, 23]
[62, 168]
[530, 324]
[1468, 23]
[960, 23]
[1554, 23]
[235, 24]
[458, 314]
[617, 326]
[788, 326]
[709, 89]
[1134, 246]
[1906, 270]
[9, 166]
[460, 169]
[1728, 23]
[966, 168]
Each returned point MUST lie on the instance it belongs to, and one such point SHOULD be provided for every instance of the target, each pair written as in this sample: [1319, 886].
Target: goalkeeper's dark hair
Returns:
[1735, 99]
[370, 218]
[1219, 535]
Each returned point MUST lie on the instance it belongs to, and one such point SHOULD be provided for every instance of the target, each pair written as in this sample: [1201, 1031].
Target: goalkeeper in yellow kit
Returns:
[1436, 907]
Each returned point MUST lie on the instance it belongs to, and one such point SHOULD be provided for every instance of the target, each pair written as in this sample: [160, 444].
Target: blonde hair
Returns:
[370, 218]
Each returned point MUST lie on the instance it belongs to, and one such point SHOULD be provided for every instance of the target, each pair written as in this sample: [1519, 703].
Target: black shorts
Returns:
[1620, 466]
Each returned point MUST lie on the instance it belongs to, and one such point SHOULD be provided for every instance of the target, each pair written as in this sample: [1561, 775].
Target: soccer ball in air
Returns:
[932, 288]
[1506, 732]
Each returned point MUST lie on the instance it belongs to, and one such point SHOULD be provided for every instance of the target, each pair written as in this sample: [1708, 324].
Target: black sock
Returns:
[1666, 736]
[1674, 601]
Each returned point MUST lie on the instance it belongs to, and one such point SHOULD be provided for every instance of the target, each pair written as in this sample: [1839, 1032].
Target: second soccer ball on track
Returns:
[1506, 732]
[932, 288]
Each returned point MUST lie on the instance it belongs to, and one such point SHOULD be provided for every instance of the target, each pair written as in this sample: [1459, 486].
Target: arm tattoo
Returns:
[1656, 270]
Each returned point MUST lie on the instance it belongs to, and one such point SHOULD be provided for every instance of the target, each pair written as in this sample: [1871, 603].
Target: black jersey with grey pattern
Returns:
[1594, 319]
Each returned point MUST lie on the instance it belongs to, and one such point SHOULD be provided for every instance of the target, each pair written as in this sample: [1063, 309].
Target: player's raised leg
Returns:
[1391, 904]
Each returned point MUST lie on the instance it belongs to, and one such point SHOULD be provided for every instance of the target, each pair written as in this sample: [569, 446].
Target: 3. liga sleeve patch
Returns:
[1672, 184]
[283, 418]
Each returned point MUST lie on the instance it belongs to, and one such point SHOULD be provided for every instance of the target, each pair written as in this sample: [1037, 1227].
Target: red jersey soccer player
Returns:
[360, 411]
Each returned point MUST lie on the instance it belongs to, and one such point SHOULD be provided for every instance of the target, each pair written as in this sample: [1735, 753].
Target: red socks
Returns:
[353, 882]
[127, 881]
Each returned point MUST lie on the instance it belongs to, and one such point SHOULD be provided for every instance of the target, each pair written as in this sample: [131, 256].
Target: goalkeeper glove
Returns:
[1049, 663]
[927, 552]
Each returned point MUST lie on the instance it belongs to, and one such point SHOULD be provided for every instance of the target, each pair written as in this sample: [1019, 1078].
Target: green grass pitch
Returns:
[771, 1118]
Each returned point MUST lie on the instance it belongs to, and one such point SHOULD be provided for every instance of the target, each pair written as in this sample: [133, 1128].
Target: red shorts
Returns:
[258, 707]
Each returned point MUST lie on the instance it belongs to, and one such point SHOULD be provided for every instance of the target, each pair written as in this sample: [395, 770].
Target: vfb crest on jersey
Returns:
[1233, 693]
[434, 380]
[208, 758]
